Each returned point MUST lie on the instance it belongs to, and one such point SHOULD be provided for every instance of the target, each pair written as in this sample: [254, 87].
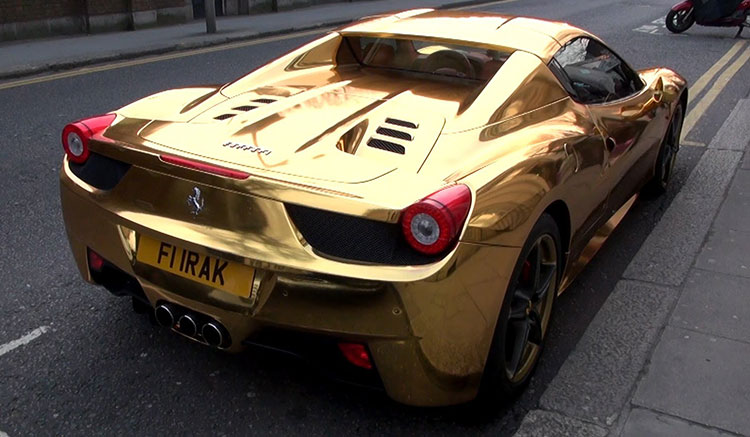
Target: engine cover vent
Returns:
[225, 116]
[245, 108]
[402, 123]
[386, 145]
[395, 133]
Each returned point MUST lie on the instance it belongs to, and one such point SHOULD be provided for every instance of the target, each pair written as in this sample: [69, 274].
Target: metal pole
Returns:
[131, 15]
[86, 21]
[210, 8]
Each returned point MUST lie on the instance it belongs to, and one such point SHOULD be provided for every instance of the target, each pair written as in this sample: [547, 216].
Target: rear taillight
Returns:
[96, 262]
[433, 224]
[356, 354]
[76, 136]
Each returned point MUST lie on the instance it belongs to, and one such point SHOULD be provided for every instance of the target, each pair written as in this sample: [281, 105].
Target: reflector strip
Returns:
[207, 168]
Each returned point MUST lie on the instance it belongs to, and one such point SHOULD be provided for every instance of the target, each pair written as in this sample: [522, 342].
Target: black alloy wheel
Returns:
[680, 21]
[530, 309]
[665, 162]
[524, 317]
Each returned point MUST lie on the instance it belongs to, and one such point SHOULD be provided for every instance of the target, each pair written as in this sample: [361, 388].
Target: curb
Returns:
[29, 70]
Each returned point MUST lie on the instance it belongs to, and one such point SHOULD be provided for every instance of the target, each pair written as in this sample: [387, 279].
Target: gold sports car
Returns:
[400, 200]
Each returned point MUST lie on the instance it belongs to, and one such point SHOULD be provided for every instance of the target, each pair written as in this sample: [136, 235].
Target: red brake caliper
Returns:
[526, 273]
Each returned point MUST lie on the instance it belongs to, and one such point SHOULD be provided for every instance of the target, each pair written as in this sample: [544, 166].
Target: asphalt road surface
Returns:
[85, 363]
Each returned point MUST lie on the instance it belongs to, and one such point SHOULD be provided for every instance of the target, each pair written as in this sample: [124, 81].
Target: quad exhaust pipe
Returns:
[164, 315]
[187, 323]
[212, 334]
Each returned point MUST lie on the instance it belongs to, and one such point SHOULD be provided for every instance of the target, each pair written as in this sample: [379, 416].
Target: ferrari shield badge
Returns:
[196, 201]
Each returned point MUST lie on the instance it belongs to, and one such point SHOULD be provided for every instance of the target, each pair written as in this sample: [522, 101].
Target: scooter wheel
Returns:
[680, 21]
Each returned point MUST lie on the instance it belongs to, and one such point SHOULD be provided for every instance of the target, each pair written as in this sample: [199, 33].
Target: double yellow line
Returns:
[700, 106]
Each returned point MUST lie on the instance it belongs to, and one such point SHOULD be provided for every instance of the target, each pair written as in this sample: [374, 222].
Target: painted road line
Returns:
[2, 434]
[26, 339]
[692, 143]
[655, 27]
[721, 82]
[702, 81]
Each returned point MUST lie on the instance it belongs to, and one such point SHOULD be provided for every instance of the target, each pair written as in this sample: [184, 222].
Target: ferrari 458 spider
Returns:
[401, 199]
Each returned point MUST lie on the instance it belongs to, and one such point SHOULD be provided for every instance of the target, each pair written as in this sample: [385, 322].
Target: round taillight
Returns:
[431, 225]
[75, 144]
[75, 136]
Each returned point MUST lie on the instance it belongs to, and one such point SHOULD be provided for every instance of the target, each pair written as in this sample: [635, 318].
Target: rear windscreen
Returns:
[423, 56]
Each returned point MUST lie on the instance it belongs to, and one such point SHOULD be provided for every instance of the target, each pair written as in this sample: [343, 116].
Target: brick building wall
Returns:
[101, 7]
[12, 11]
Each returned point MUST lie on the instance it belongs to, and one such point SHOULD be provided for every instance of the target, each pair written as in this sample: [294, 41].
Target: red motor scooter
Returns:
[720, 13]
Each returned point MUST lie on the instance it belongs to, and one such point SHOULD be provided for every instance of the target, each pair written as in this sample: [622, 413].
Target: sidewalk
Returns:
[22, 58]
[668, 353]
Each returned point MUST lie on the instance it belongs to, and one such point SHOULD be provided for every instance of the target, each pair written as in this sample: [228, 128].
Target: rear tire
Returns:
[680, 21]
[667, 157]
[524, 317]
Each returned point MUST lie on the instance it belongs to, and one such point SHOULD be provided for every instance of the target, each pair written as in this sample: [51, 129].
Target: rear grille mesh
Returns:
[386, 145]
[355, 238]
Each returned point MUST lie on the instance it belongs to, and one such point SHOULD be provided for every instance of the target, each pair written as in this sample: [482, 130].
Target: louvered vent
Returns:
[386, 145]
[402, 123]
[225, 116]
[266, 101]
[399, 134]
[245, 108]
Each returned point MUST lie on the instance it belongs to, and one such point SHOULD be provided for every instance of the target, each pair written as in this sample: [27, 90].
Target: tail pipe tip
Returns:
[164, 315]
[213, 334]
[186, 325]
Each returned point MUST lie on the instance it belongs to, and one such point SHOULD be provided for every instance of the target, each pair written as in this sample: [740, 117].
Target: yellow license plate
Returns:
[229, 276]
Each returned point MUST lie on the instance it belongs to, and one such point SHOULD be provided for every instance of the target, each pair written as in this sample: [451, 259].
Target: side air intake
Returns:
[255, 104]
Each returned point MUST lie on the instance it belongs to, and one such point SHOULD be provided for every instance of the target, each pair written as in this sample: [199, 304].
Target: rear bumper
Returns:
[428, 331]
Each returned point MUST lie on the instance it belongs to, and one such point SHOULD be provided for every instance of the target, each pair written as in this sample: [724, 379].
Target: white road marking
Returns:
[656, 27]
[26, 339]
[692, 143]
[2, 434]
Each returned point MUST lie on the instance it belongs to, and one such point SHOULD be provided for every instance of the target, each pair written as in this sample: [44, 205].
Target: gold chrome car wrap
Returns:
[294, 133]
